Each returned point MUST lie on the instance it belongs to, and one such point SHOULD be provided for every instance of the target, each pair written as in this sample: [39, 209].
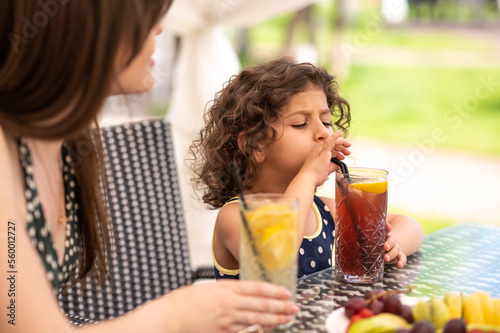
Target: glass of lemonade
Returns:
[268, 240]
[360, 218]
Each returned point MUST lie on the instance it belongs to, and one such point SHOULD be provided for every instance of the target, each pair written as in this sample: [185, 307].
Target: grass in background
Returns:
[429, 223]
[406, 104]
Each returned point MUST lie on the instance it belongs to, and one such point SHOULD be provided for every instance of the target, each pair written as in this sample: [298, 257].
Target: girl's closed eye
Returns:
[299, 125]
[328, 124]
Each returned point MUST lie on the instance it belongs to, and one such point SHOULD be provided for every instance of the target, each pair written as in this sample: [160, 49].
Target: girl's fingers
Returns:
[331, 141]
[389, 243]
[393, 253]
[402, 260]
[341, 142]
[340, 149]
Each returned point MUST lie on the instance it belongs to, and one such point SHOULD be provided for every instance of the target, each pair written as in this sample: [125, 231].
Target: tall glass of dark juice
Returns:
[360, 218]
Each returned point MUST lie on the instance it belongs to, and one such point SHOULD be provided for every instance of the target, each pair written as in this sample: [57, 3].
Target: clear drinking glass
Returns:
[268, 240]
[360, 218]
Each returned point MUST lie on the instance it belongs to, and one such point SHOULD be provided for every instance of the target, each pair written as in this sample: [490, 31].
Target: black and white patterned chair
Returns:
[150, 255]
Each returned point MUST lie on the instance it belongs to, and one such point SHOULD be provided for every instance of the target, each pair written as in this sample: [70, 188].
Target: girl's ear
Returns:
[259, 155]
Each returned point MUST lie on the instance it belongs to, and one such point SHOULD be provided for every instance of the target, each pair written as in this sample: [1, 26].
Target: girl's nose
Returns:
[321, 132]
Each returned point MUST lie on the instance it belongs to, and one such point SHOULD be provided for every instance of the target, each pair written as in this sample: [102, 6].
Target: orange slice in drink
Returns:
[377, 187]
[278, 249]
[275, 232]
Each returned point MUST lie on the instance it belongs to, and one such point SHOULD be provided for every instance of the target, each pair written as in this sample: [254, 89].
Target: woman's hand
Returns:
[228, 306]
[393, 252]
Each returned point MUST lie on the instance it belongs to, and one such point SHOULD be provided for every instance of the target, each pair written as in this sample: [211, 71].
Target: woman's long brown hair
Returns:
[58, 60]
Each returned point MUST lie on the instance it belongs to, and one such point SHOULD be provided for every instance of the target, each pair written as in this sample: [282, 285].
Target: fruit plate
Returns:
[337, 321]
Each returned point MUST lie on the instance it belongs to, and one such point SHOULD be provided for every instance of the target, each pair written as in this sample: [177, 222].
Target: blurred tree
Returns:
[340, 61]
[302, 16]
[454, 11]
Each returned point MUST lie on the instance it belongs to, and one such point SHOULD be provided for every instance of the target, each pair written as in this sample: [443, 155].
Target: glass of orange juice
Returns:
[269, 240]
[360, 218]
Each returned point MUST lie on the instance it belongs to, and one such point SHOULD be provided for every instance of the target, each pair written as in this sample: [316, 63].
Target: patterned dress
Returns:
[315, 252]
[38, 229]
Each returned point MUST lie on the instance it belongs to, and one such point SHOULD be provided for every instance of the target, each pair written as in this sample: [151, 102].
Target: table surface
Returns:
[464, 257]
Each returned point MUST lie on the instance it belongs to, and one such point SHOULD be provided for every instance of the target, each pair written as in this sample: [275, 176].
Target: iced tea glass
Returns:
[268, 240]
[360, 218]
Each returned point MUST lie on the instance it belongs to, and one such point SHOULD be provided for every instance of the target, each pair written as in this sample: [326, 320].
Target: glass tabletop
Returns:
[464, 257]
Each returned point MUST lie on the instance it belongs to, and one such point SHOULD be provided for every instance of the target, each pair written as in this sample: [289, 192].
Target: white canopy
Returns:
[206, 60]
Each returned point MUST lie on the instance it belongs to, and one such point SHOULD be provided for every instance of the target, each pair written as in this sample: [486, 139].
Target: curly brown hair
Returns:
[239, 122]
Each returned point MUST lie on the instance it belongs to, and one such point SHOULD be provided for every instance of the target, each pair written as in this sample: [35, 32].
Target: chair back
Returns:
[150, 253]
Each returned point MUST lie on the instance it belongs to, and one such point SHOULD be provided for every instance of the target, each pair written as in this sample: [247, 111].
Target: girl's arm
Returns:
[404, 237]
[313, 173]
[226, 239]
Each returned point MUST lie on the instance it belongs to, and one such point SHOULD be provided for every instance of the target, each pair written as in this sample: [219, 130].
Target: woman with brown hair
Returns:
[59, 60]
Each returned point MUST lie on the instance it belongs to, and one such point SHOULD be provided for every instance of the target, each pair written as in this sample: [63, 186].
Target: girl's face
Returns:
[137, 77]
[305, 125]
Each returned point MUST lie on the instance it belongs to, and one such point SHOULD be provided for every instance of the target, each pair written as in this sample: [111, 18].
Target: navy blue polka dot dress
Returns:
[38, 230]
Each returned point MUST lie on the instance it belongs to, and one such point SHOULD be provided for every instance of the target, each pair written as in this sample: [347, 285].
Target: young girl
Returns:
[275, 121]
[59, 60]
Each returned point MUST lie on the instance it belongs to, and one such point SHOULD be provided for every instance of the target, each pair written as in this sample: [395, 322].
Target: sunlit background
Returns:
[423, 81]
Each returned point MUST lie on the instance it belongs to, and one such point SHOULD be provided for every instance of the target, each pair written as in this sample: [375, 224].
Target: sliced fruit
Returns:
[439, 312]
[454, 303]
[381, 323]
[365, 313]
[421, 311]
[487, 306]
[353, 319]
[483, 328]
[274, 229]
[496, 310]
[263, 217]
[473, 311]
[379, 187]
[278, 249]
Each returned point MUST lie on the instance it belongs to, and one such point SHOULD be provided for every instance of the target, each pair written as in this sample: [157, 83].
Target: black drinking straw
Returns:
[343, 168]
[357, 229]
[235, 171]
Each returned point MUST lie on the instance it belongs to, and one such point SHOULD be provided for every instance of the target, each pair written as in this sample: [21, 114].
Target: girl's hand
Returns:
[393, 252]
[318, 164]
[341, 148]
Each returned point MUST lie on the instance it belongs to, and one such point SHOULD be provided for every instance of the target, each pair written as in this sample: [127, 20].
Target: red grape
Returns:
[423, 326]
[406, 313]
[376, 307]
[393, 304]
[354, 305]
[454, 326]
